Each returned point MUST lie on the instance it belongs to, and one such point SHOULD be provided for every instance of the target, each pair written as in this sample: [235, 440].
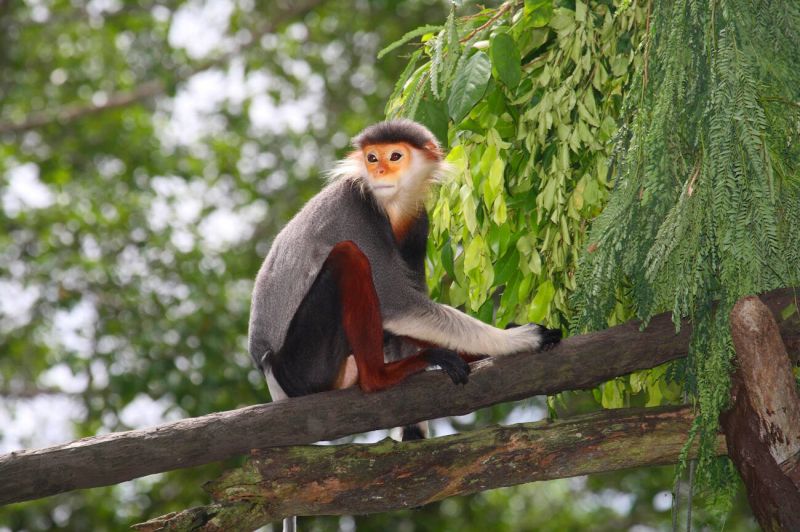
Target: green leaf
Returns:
[591, 194]
[488, 157]
[541, 301]
[469, 86]
[564, 20]
[638, 381]
[524, 245]
[469, 208]
[788, 311]
[538, 12]
[506, 60]
[612, 394]
[496, 175]
[447, 259]
[432, 114]
[506, 267]
[493, 184]
[422, 30]
[535, 263]
[486, 312]
[653, 396]
[458, 159]
[499, 211]
[580, 11]
[393, 106]
[472, 255]
[524, 287]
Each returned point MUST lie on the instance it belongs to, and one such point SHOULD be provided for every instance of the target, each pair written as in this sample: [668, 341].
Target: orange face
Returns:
[386, 163]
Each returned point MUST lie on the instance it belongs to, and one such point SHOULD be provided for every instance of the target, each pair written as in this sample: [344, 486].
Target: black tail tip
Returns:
[550, 338]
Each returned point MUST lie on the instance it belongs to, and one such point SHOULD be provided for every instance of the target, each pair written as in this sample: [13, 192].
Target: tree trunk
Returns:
[763, 425]
[360, 479]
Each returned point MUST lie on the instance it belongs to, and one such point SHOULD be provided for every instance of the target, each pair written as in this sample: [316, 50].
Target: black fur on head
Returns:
[402, 130]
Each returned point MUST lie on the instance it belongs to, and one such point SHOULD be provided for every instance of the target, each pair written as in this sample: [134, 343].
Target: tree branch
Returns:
[763, 426]
[362, 479]
[154, 87]
[578, 362]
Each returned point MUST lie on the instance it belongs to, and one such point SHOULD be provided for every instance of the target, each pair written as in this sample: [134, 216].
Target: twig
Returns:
[645, 69]
[500, 12]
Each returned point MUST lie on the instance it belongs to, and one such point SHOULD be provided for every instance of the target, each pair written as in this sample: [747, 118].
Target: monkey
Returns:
[341, 300]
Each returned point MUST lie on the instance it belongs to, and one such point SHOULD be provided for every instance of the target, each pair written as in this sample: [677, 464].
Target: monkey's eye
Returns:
[372, 158]
[396, 156]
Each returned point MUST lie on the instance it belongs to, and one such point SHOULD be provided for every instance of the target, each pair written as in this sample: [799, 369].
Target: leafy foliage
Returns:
[706, 206]
[531, 146]
[124, 233]
[530, 125]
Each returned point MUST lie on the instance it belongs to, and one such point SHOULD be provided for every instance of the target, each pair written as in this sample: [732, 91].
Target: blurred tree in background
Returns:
[150, 151]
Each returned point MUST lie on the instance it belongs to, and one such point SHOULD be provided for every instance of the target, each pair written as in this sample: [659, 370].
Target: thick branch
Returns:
[763, 426]
[577, 363]
[153, 87]
[361, 479]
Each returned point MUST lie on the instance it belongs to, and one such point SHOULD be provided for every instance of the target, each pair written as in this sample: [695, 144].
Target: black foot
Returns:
[450, 362]
[413, 432]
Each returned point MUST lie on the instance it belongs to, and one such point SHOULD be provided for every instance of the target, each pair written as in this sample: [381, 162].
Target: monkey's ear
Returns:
[433, 151]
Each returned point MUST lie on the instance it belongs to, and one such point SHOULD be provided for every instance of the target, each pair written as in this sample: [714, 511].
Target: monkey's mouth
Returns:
[383, 187]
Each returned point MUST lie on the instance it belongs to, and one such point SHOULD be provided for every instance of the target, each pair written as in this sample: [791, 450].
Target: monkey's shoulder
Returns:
[341, 211]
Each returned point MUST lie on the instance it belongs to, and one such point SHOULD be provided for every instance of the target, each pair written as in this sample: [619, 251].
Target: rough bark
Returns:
[763, 425]
[578, 362]
[361, 479]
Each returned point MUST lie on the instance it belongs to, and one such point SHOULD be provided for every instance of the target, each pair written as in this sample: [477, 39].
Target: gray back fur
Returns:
[343, 210]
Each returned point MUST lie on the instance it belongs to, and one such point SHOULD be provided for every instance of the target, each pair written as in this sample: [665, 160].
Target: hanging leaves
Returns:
[433, 115]
[469, 86]
[529, 148]
[506, 60]
[699, 217]
[538, 12]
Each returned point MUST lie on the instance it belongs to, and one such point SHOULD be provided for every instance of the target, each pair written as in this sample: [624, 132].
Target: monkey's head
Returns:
[396, 160]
